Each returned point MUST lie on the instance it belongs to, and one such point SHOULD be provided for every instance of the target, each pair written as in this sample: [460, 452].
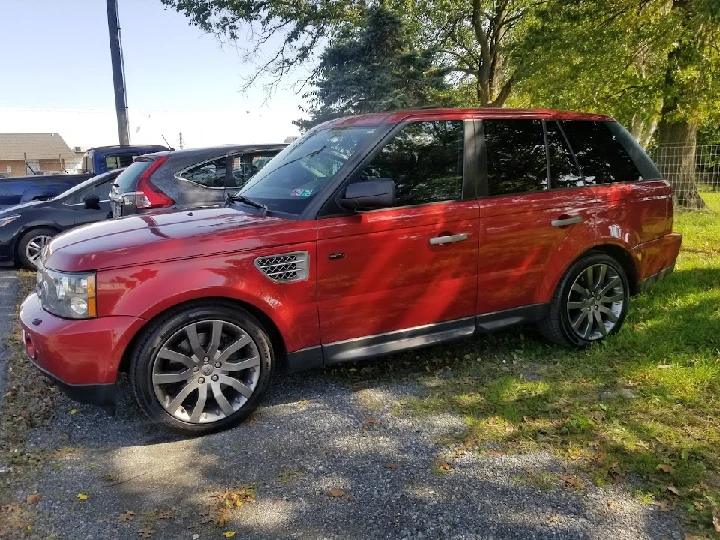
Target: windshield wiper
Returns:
[234, 197]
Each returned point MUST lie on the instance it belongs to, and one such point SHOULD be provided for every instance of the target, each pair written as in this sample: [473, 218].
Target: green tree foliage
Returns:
[373, 69]
[651, 63]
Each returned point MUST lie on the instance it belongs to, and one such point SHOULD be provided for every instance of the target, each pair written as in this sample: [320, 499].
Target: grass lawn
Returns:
[645, 404]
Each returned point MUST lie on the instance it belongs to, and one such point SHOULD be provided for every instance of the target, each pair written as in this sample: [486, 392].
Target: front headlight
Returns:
[65, 294]
[7, 219]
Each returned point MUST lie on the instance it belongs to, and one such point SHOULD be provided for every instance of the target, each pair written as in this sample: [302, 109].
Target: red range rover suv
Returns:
[368, 235]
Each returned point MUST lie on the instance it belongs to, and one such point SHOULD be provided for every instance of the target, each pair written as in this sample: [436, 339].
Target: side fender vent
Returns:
[284, 268]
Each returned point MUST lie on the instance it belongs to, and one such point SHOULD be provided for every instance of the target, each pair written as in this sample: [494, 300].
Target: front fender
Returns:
[150, 290]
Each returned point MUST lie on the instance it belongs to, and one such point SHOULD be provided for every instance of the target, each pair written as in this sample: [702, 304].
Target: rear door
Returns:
[635, 203]
[409, 266]
[533, 202]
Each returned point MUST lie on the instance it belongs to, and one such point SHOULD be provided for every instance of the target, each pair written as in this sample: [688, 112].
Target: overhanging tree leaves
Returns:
[651, 63]
[373, 70]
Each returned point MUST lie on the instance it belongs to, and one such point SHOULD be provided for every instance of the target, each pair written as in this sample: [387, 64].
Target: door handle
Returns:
[438, 240]
[566, 221]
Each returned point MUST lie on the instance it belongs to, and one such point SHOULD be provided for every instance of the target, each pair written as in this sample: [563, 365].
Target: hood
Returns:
[10, 210]
[150, 238]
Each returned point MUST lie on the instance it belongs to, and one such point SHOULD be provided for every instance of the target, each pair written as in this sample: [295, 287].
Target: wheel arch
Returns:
[618, 252]
[263, 318]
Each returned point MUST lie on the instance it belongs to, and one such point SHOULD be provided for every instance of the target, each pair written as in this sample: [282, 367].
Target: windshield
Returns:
[82, 185]
[127, 181]
[296, 175]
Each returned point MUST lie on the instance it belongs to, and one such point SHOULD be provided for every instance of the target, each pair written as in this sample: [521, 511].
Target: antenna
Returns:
[166, 141]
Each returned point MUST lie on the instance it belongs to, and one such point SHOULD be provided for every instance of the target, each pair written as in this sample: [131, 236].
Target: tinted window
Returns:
[426, 162]
[563, 169]
[127, 180]
[297, 174]
[516, 161]
[602, 158]
[208, 174]
[102, 190]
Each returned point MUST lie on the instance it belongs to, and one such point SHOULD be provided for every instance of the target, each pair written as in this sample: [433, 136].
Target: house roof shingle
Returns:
[14, 146]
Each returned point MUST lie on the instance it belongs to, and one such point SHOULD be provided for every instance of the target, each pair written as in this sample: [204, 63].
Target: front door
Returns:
[84, 215]
[535, 203]
[414, 265]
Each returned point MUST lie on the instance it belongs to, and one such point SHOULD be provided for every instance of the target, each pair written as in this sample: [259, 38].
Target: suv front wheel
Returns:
[589, 304]
[202, 369]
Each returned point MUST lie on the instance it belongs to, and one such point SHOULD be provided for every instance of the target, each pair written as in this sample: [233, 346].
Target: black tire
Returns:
[27, 238]
[167, 333]
[558, 326]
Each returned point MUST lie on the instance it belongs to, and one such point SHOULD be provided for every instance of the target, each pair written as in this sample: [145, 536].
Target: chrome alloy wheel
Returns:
[595, 302]
[206, 371]
[34, 247]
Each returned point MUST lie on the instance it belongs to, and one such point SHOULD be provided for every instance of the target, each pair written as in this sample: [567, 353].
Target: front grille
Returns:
[285, 267]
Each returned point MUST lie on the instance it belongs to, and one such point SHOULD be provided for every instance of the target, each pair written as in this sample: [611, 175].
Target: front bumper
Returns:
[81, 356]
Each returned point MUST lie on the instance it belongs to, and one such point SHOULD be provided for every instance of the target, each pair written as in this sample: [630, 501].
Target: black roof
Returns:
[212, 151]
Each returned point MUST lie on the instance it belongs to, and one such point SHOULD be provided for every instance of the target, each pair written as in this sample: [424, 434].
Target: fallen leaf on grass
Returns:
[367, 422]
[33, 499]
[392, 466]
[229, 534]
[572, 481]
[336, 493]
[495, 453]
[716, 519]
[554, 518]
[444, 466]
[126, 516]
[73, 411]
[664, 505]
[673, 490]
[82, 496]
[146, 532]
[664, 468]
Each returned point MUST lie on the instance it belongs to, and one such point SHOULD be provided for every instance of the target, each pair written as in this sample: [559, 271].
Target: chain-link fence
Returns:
[690, 169]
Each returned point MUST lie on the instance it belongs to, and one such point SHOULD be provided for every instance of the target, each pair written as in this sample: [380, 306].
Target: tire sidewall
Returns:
[25, 240]
[573, 272]
[156, 336]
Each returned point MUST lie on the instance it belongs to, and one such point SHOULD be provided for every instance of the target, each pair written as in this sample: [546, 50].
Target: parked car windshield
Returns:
[296, 175]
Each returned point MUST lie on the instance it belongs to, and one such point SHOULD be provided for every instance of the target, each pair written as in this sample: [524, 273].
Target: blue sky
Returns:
[57, 76]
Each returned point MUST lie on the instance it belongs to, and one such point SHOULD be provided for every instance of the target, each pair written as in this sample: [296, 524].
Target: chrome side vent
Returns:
[284, 268]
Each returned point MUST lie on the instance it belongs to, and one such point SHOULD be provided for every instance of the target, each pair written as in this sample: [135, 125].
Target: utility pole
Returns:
[118, 73]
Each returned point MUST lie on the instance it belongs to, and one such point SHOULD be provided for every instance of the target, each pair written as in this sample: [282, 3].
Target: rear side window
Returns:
[426, 162]
[564, 172]
[127, 180]
[601, 156]
[516, 159]
[209, 174]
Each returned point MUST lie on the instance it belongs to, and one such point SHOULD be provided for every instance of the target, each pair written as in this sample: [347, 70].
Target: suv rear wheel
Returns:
[202, 369]
[589, 304]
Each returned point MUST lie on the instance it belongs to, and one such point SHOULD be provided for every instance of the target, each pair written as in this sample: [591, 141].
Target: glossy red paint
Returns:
[462, 114]
[390, 277]
[77, 352]
[369, 273]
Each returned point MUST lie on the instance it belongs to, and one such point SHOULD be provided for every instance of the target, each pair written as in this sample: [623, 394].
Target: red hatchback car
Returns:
[368, 235]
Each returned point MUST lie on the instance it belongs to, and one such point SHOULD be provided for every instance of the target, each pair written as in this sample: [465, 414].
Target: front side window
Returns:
[563, 169]
[296, 175]
[602, 158]
[516, 159]
[102, 190]
[426, 162]
[209, 174]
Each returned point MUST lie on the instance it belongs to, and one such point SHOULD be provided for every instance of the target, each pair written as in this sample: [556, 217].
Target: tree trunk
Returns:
[677, 144]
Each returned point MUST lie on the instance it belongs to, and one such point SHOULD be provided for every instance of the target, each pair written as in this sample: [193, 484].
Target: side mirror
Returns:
[92, 202]
[369, 195]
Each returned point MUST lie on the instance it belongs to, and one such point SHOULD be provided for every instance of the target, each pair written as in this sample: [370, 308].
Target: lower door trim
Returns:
[351, 350]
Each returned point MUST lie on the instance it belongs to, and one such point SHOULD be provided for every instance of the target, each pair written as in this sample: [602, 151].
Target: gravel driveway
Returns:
[325, 461]
[8, 298]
